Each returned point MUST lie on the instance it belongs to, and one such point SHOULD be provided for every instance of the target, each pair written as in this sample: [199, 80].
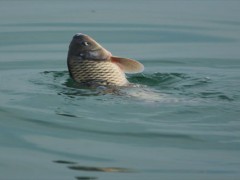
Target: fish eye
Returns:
[86, 43]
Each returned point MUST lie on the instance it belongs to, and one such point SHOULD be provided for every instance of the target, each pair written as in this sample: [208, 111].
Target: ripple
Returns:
[99, 169]
[108, 25]
[157, 79]
[110, 33]
[64, 162]
[85, 178]
[216, 95]
[178, 84]
[76, 166]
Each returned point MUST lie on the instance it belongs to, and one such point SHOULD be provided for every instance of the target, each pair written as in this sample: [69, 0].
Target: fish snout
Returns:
[78, 35]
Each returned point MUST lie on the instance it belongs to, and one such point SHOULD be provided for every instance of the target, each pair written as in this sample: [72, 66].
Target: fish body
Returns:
[103, 73]
[91, 64]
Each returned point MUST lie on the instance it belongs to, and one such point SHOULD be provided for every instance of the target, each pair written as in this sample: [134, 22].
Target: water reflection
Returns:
[101, 169]
[85, 178]
[75, 166]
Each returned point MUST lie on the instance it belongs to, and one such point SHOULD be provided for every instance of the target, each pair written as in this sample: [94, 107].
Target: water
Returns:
[182, 122]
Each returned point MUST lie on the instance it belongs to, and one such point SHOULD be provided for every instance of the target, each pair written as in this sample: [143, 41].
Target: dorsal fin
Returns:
[128, 65]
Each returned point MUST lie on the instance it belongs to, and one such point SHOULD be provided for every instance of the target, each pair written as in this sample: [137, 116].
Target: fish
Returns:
[91, 64]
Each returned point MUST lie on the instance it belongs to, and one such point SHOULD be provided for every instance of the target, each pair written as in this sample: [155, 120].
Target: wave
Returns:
[181, 85]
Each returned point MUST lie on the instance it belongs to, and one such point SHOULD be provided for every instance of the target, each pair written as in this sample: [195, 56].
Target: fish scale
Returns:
[100, 72]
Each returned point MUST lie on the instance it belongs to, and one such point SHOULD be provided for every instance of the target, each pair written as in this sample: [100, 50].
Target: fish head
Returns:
[83, 47]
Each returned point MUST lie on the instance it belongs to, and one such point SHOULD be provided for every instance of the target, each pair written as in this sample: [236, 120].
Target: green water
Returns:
[181, 121]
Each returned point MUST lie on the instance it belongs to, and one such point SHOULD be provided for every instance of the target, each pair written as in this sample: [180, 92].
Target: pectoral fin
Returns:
[128, 65]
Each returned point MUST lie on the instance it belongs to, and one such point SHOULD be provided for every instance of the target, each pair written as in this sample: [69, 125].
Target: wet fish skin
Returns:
[90, 63]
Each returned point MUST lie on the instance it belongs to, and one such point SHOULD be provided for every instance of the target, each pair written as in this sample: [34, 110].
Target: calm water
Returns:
[182, 122]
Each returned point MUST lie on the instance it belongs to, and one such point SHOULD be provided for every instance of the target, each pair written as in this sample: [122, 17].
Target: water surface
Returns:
[181, 121]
